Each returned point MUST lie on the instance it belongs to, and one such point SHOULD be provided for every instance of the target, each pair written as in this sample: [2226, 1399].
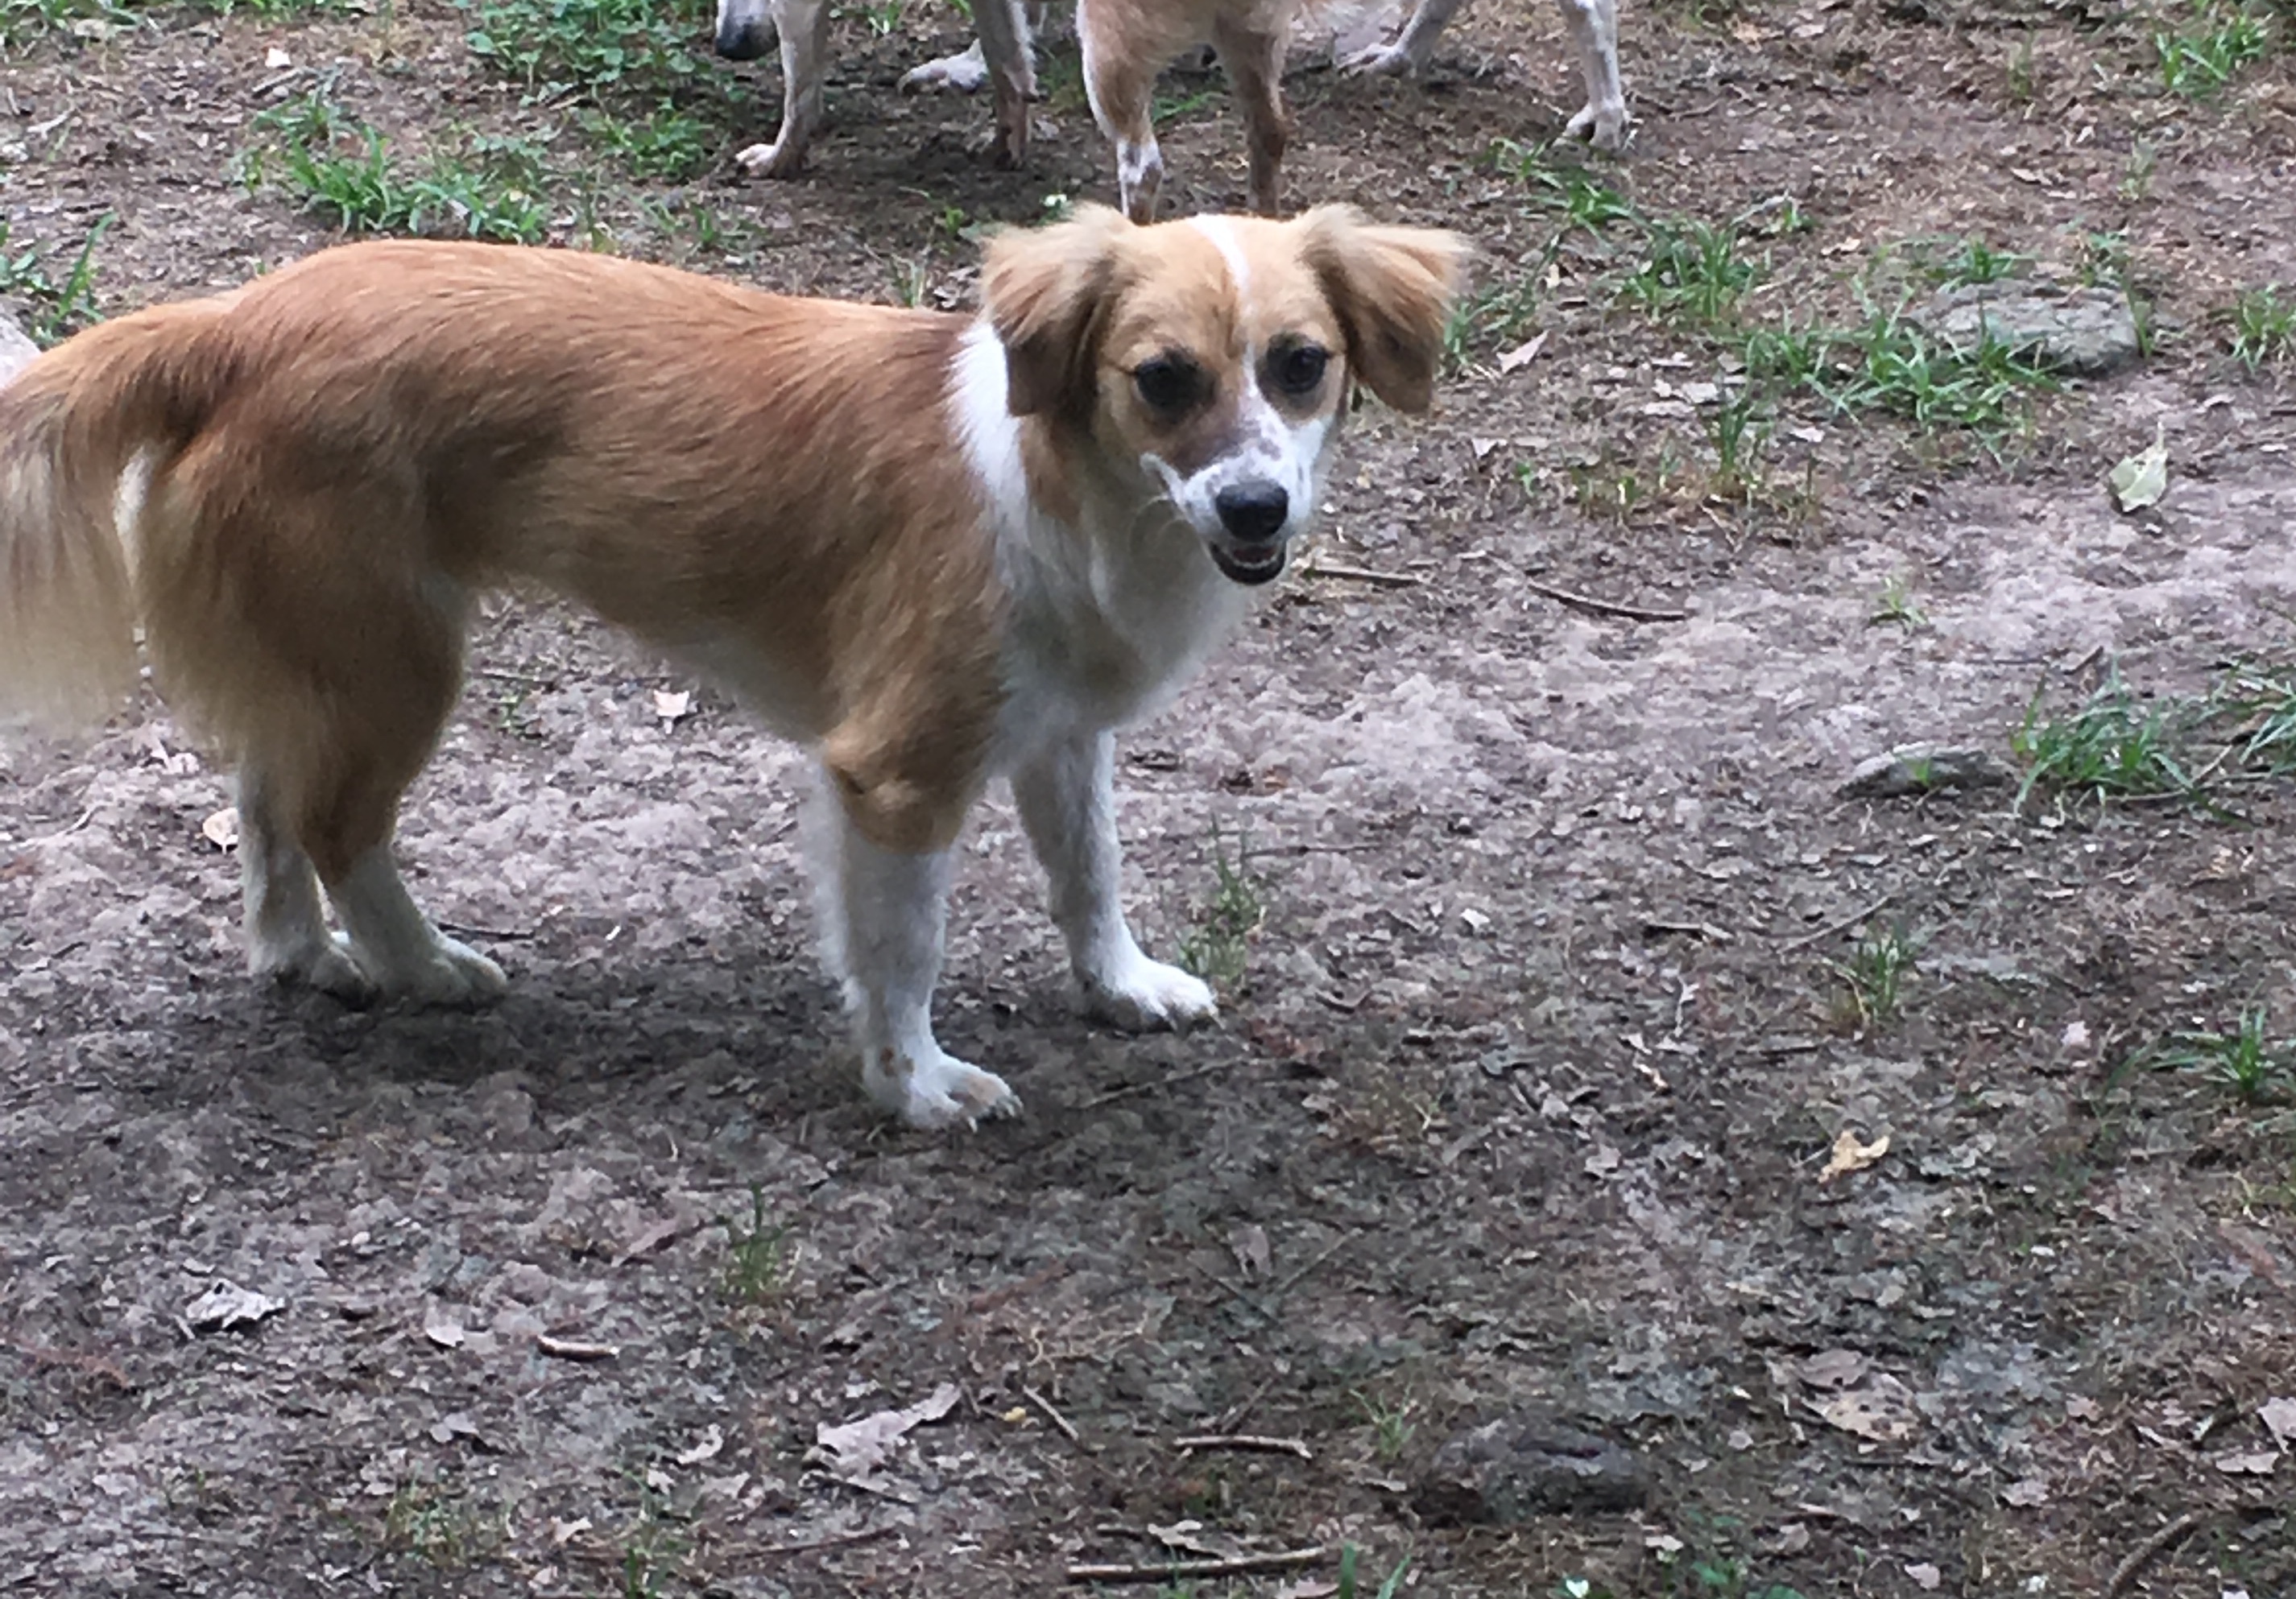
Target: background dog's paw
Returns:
[964, 73]
[938, 1092]
[1381, 61]
[1605, 130]
[455, 975]
[780, 159]
[1145, 995]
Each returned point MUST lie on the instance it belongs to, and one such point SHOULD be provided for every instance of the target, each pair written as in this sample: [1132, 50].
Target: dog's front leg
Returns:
[1067, 795]
[801, 24]
[883, 912]
[1594, 27]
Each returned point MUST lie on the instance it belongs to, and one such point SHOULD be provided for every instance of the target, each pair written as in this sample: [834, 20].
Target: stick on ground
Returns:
[1633, 614]
[1173, 1570]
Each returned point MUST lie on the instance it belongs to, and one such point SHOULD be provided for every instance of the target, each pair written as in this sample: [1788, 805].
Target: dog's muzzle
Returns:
[743, 41]
[1254, 517]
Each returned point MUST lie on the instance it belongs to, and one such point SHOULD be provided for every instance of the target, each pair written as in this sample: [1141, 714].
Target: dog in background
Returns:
[1126, 45]
[937, 548]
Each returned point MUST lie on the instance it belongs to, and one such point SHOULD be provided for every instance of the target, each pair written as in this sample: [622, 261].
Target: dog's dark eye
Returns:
[1297, 369]
[1168, 383]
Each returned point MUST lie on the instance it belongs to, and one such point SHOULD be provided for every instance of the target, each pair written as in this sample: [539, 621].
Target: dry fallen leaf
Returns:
[1018, 1416]
[669, 705]
[276, 60]
[2026, 1492]
[226, 1305]
[1925, 1576]
[712, 1441]
[1850, 1153]
[853, 1450]
[1604, 1161]
[1249, 1244]
[443, 1329]
[2258, 1463]
[1521, 355]
[1833, 1368]
[1883, 1412]
[2279, 1418]
[1307, 1587]
[222, 828]
[2142, 479]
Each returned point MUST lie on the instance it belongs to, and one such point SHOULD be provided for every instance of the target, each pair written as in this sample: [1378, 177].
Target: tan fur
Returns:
[830, 507]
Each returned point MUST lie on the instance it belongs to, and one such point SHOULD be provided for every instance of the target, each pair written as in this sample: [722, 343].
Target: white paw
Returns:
[1381, 60]
[1603, 126]
[936, 1091]
[456, 974]
[326, 964]
[1142, 994]
[964, 73]
[781, 159]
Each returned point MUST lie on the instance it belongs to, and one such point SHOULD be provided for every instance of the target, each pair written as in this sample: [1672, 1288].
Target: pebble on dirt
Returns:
[1523, 1464]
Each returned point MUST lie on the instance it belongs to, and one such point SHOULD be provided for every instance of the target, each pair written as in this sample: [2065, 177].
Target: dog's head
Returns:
[1216, 354]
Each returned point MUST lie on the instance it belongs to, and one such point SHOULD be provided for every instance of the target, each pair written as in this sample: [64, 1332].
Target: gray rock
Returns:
[2082, 332]
[1924, 769]
[1525, 1464]
[16, 348]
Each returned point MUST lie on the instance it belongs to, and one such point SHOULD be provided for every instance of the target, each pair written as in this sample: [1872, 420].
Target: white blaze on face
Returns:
[1267, 447]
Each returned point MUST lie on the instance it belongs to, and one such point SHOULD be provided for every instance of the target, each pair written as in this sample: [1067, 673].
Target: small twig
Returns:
[1052, 1416]
[2139, 1557]
[835, 1540]
[1235, 1566]
[1358, 574]
[1832, 928]
[1257, 1443]
[492, 935]
[569, 1349]
[1292, 1281]
[1237, 1412]
[1129, 1089]
[1633, 614]
[1695, 929]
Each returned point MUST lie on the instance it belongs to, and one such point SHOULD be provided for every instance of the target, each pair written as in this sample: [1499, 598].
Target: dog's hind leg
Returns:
[883, 915]
[1414, 48]
[1121, 91]
[802, 23]
[1594, 27]
[1254, 63]
[1067, 795]
[287, 936]
[1012, 74]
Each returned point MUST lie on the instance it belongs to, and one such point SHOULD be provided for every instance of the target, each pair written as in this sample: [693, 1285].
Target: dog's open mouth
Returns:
[1249, 570]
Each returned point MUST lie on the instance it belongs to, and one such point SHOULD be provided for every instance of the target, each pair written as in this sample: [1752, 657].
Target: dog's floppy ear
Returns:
[1043, 292]
[1392, 289]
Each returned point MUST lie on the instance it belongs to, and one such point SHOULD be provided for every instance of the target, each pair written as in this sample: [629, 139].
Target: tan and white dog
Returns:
[937, 548]
[1126, 45]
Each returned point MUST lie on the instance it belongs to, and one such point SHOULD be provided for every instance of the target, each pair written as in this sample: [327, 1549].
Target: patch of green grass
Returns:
[1171, 109]
[1692, 271]
[2136, 173]
[1894, 367]
[445, 1531]
[757, 1255]
[1875, 975]
[1391, 1426]
[2020, 71]
[1896, 607]
[2260, 702]
[663, 142]
[59, 308]
[880, 17]
[2114, 746]
[1493, 316]
[1349, 1587]
[652, 1545]
[24, 23]
[2200, 57]
[2248, 1063]
[589, 48]
[2261, 326]
[1975, 261]
[912, 276]
[1218, 948]
[1569, 192]
[345, 171]
[2103, 260]
[1789, 354]
[1738, 429]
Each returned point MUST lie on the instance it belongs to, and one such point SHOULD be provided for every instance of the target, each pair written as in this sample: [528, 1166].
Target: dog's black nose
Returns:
[1253, 511]
[742, 41]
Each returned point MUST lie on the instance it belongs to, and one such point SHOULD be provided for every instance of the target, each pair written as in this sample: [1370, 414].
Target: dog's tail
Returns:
[82, 430]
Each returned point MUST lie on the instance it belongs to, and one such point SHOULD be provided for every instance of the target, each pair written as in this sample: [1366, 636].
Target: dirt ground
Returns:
[1538, 1037]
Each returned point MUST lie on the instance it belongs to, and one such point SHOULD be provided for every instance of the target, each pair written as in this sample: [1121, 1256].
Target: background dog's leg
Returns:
[801, 24]
[1594, 27]
[1119, 81]
[1067, 796]
[1254, 62]
[287, 936]
[1011, 73]
[1414, 48]
[884, 912]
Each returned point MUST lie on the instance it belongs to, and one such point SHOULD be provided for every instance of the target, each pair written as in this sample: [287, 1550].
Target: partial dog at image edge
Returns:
[1126, 45]
[936, 548]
